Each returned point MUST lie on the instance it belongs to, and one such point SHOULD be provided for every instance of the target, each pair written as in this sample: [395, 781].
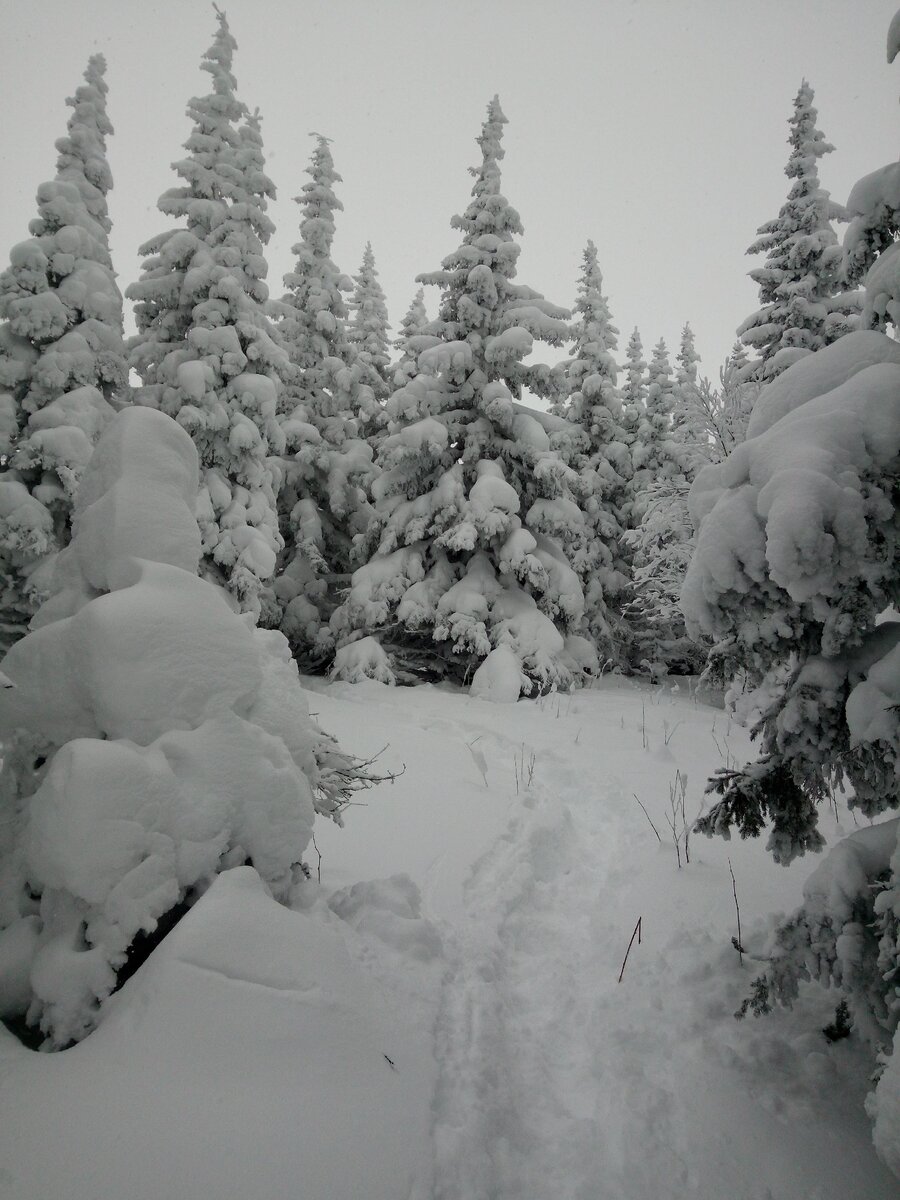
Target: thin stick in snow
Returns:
[319, 852]
[647, 815]
[739, 944]
[637, 933]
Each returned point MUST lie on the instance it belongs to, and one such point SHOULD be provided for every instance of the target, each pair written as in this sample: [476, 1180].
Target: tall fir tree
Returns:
[326, 411]
[802, 308]
[661, 536]
[369, 326]
[688, 426]
[594, 407]
[62, 357]
[474, 506]
[205, 349]
[653, 453]
[412, 328]
[634, 388]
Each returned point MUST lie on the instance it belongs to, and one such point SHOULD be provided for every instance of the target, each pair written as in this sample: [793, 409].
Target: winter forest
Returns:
[453, 754]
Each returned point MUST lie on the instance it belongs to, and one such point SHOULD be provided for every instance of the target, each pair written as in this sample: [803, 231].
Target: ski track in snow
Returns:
[526, 1035]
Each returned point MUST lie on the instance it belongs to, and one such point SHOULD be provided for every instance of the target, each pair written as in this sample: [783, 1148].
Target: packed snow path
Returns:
[554, 1079]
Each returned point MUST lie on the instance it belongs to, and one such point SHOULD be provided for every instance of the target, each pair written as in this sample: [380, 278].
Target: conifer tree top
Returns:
[487, 176]
[807, 142]
[82, 152]
[218, 58]
[687, 357]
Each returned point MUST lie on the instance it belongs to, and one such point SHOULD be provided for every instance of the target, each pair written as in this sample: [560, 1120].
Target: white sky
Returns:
[656, 128]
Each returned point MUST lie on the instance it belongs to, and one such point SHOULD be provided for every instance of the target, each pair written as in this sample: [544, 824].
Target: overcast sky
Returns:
[656, 128]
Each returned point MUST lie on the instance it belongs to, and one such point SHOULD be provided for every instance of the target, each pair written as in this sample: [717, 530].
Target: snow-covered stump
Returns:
[156, 738]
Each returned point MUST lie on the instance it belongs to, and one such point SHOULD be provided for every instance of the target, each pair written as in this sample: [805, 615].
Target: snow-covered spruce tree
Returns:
[661, 537]
[687, 425]
[412, 327]
[634, 387]
[603, 462]
[154, 738]
[368, 327]
[653, 453]
[62, 358]
[326, 412]
[474, 508]
[802, 306]
[797, 574]
[205, 350]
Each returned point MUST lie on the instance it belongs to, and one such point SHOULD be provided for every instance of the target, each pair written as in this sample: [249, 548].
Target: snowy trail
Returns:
[524, 1105]
[441, 1018]
[554, 1080]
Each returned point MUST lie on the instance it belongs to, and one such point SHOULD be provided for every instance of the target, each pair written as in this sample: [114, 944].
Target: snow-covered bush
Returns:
[474, 507]
[205, 349]
[797, 574]
[153, 737]
[62, 358]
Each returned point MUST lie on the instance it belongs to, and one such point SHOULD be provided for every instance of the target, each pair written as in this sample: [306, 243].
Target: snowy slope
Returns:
[511, 861]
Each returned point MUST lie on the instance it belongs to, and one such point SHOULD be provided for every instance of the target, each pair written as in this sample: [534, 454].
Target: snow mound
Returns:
[360, 660]
[500, 677]
[264, 1037]
[819, 373]
[174, 738]
[391, 911]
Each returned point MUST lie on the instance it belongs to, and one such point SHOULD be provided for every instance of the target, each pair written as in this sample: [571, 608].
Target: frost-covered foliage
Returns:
[602, 459]
[799, 284]
[368, 327]
[326, 411]
[205, 350]
[795, 568]
[712, 422]
[723, 412]
[62, 358]
[846, 935]
[474, 507]
[153, 738]
[796, 560]
[662, 546]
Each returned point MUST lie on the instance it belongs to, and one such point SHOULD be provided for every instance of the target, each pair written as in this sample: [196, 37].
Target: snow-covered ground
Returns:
[442, 1018]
